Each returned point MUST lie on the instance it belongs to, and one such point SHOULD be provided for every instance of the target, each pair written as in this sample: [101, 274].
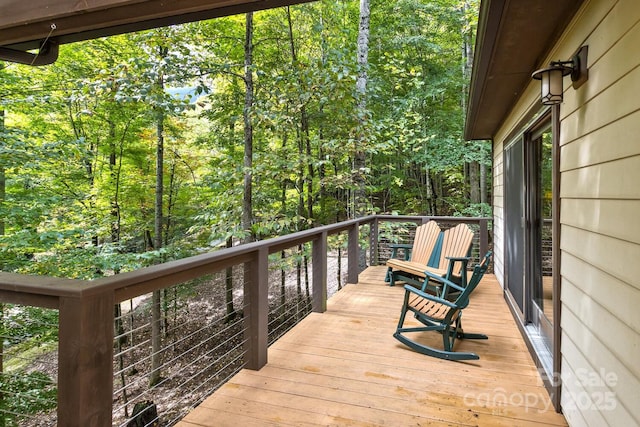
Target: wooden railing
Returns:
[86, 308]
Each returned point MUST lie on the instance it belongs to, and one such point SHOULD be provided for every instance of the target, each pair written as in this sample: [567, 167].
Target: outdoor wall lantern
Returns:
[551, 77]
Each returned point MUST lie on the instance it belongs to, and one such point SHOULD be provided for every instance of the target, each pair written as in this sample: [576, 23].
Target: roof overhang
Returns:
[25, 25]
[514, 37]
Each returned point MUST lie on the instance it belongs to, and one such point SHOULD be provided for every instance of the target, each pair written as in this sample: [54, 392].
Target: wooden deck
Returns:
[344, 368]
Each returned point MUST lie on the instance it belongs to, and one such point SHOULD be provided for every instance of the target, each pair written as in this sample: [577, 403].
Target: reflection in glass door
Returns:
[528, 195]
[540, 221]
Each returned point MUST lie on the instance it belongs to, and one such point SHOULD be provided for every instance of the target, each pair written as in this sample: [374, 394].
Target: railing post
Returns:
[484, 238]
[256, 293]
[353, 253]
[319, 264]
[85, 360]
[373, 242]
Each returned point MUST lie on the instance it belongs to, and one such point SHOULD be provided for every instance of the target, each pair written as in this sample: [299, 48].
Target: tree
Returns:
[247, 202]
[360, 140]
[283, 81]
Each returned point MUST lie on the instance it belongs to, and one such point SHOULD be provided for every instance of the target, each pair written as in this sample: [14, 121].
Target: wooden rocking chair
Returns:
[441, 315]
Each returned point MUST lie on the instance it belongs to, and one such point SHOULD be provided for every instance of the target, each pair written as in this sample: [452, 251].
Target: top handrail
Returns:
[13, 287]
[44, 290]
[416, 218]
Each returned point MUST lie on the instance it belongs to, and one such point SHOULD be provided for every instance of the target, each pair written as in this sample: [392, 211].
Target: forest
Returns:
[144, 147]
[147, 147]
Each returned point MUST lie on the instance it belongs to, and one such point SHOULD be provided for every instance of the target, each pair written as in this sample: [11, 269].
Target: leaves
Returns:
[78, 146]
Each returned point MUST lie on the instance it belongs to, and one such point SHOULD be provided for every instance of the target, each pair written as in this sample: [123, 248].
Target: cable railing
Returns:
[147, 346]
[390, 229]
[201, 345]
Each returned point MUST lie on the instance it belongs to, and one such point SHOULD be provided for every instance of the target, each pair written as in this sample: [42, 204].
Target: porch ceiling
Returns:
[514, 36]
[25, 24]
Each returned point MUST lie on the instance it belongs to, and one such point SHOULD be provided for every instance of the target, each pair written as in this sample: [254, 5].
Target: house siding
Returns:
[498, 213]
[600, 214]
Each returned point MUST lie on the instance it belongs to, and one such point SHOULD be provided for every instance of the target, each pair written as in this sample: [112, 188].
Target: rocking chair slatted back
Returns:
[456, 242]
[424, 242]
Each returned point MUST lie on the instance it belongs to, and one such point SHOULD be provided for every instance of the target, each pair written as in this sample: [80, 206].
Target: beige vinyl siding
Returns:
[600, 227]
[609, 143]
[498, 214]
[593, 395]
[617, 180]
[609, 217]
[600, 214]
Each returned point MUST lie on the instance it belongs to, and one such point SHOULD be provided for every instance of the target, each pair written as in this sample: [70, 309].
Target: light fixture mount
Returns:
[551, 77]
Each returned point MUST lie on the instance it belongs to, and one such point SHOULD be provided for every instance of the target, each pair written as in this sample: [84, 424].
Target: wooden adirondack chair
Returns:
[420, 251]
[441, 315]
[448, 259]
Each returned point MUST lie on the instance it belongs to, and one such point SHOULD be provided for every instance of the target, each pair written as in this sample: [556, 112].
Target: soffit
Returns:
[25, 24]
[514, 37]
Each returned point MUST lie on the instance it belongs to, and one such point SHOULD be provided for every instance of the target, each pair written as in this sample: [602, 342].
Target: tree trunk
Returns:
[156, 314]
[231, 312]
[305, 140]
[247, 204]
[300, 185]
[474, 182]
[158, 217]
[114, 176]
[171, 202]
[359, 160]
[283, 281]
[283, 256]
[467, 54]
[429, 191]
[467, 64]
[321, 155]
[484, 198]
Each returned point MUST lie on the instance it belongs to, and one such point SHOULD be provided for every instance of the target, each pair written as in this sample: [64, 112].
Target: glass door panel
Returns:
[540, 221]
[514, 187]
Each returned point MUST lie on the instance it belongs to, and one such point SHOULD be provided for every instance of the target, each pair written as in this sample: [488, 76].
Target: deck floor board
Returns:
[344, 368]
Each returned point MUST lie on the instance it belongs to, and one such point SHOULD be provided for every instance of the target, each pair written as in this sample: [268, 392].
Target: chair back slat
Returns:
[456, 242]
[424, 242]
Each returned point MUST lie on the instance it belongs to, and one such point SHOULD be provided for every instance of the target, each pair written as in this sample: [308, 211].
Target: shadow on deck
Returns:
[344, 368]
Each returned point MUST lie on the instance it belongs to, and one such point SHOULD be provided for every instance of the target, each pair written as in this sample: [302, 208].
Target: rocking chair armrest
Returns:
[430, 297]
[458, 258]
[464, 260]
[437, 278]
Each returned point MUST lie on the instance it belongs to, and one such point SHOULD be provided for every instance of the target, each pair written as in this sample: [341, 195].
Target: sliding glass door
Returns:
[528, 193]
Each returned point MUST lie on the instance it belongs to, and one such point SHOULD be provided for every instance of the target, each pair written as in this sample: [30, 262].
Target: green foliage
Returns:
[78, 145]
[23, 324]
[27, 333]
[476, 210]
[26, 395]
